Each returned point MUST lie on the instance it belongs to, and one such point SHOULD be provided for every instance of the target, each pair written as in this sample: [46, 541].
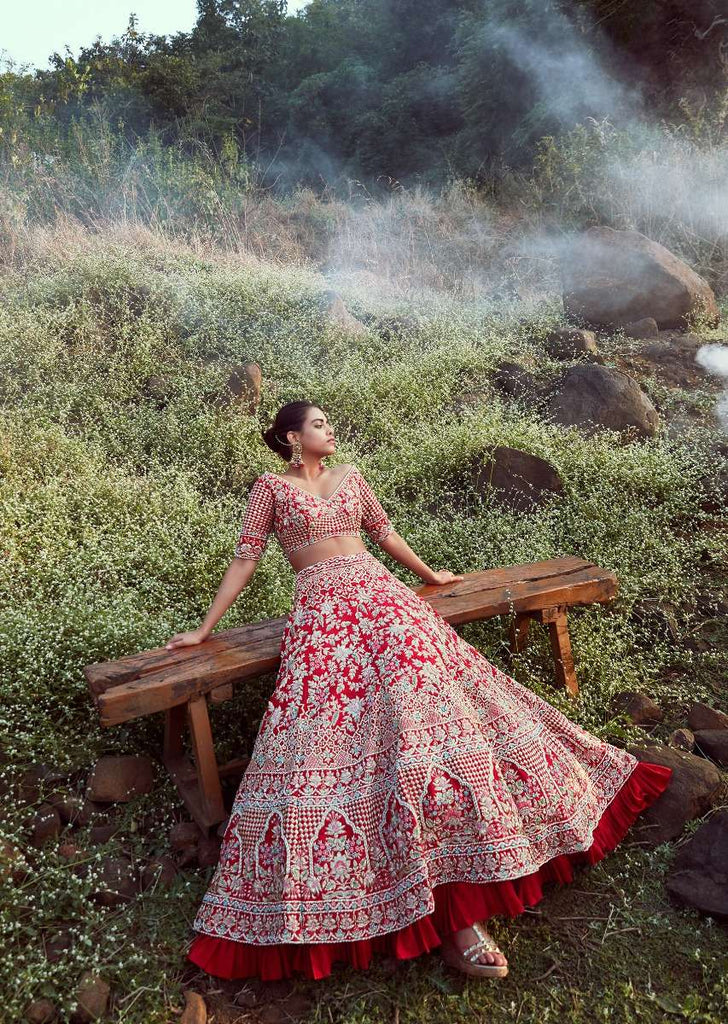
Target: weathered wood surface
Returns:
[181, 681]
[156, 680]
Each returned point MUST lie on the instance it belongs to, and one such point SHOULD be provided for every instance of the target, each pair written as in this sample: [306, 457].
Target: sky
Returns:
[31, 32]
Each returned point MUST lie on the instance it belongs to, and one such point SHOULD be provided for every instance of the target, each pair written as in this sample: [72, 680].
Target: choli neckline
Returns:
[318, 497]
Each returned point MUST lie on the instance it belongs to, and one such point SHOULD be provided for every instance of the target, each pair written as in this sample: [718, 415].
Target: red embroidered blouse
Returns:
[299, 518]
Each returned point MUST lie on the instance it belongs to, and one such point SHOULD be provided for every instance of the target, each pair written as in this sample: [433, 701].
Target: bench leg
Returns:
[198, 784]
[213, 806]
[518, 632]
[175, 720]
[555, 619]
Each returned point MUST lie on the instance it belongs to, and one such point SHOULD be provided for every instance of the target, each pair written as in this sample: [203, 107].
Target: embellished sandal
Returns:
[465, 960]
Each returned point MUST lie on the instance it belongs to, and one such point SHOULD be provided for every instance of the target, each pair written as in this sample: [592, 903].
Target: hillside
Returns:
[125, 460]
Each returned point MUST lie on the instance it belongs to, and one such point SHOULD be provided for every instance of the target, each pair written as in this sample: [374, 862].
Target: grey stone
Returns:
[612, 278]
[589, 396]
[520, 480]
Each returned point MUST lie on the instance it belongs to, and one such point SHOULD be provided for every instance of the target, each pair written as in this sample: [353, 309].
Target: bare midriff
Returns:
[325, 549]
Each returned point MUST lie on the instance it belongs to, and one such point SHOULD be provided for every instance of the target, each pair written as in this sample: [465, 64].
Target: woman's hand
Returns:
[444, 576]
[193, 636]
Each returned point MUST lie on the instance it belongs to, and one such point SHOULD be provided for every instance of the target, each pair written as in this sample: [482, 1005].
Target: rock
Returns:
[36, 781]
[244, 382]
[391, 328]
[13, 864]
[701, 717]
[644, 328]
[118, 779]
[640, 708]
[337, 314]
[68, 805]
[41, 1011]
[100, 834]
[158, 390]
[160, 872]
[693, 788]
[591, 396]
[520, 480]
[671, 357]
[514, 381]
[569, 342]
[699, 873]
[184, 835]
[59, 943]
[208, 851]
[118, 882]
[713, 743]
[88, 810]
[659, 614]
[683, 739]
[92, 998]
[46, 825]
[612, 278]
[195, 1012]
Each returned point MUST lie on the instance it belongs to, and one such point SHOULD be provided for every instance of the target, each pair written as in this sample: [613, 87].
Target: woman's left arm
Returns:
[378, 525]
[400, 550]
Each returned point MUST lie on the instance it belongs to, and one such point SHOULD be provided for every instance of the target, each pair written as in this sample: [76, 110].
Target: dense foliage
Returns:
[401, 88]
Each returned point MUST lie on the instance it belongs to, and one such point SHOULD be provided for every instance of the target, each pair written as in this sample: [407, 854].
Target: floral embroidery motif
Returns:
[398, 825]
[271, 858]
[448, 804]
[392, 757]
[338, 856]
[299, 518]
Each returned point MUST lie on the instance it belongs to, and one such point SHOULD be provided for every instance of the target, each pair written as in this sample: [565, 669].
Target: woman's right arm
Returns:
[251, 543]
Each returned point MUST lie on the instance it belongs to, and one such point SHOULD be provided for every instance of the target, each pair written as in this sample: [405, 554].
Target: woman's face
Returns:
[317, 434]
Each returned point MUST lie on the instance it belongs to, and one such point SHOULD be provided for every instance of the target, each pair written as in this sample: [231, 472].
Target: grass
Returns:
[118, 511]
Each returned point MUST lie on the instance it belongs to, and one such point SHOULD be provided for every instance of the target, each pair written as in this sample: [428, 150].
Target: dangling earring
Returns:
[296, 450]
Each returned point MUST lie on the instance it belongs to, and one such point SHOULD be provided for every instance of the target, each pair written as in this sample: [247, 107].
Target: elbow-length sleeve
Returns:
[257, 522]
[374, 519]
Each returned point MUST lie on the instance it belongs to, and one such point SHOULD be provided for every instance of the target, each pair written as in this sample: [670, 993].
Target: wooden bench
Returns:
[178, 682]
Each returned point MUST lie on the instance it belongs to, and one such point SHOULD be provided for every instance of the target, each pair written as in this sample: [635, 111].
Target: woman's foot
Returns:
[467, 937]
[479, 959]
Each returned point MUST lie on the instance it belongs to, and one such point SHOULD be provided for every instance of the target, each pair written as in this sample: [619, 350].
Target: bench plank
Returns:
[159, 679]
[180, 682]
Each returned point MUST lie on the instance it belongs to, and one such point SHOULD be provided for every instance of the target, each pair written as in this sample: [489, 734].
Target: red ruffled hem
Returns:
[457, 904]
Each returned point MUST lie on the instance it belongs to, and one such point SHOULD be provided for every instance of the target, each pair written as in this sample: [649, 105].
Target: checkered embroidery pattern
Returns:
[257, 521]
[299, 518]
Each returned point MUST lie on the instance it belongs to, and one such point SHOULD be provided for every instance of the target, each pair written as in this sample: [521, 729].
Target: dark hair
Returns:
[289, 417]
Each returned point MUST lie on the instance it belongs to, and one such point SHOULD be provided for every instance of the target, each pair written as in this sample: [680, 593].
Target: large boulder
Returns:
[521, 481]
[592, 396]
[699, 873]
[693, 789]
[612, 278]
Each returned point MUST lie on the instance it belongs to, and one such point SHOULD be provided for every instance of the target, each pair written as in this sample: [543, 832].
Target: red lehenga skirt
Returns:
[400, 787]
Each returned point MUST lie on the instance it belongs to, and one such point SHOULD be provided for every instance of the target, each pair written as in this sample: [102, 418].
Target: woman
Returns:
[401, 789]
